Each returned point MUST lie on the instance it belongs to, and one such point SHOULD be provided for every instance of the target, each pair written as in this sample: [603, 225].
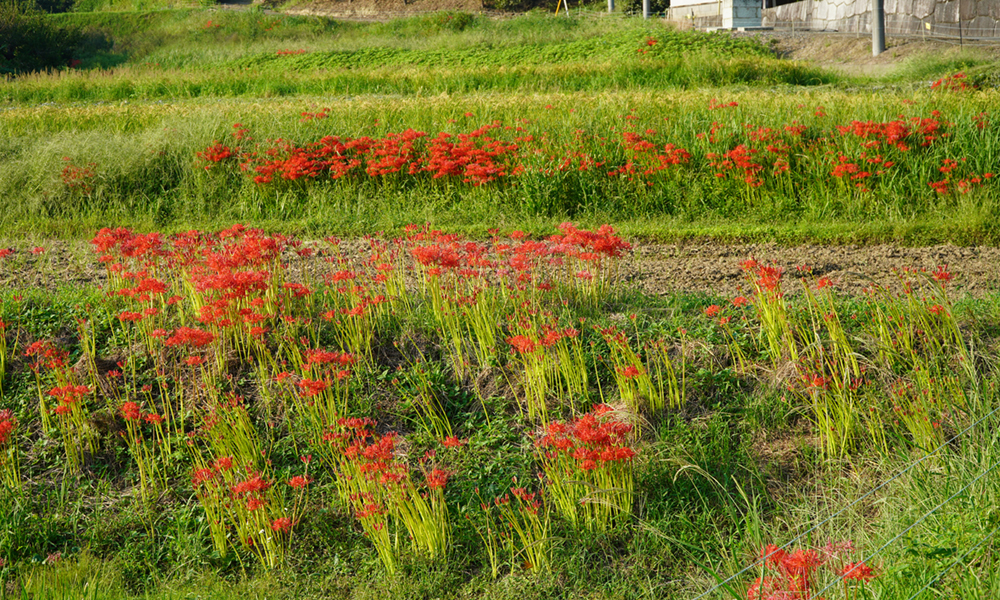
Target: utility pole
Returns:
[645, 9]
[878, 27]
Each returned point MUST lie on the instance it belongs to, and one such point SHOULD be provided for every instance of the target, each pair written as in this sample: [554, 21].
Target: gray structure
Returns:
[968, 18]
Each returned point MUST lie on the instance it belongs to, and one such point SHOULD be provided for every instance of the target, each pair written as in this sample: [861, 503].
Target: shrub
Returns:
[30, 42]
[656, 7]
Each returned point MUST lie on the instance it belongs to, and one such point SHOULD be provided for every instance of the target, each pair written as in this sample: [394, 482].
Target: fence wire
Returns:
[912, 525]
[905, 470]
[958, 560]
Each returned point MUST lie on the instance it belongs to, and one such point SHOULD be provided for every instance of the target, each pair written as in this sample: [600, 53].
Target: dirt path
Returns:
[715, 268]
[692, 267]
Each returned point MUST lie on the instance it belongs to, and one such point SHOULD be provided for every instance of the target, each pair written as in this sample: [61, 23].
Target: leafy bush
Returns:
[656, 7]
[30, 42]
[55, 6]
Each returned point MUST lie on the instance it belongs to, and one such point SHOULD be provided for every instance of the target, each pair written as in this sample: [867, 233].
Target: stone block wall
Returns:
[695, 13]
[728, 14]
[977, 18]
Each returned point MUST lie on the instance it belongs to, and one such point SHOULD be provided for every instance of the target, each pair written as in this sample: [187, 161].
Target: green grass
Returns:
[736, 468]
[146, 172]
[115, 143]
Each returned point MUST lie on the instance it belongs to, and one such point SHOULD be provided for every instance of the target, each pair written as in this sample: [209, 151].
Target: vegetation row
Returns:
[432, 393]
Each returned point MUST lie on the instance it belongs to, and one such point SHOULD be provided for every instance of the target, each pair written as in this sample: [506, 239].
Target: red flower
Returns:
[942, 275]
[453, 442]
[130, 411]
[7, 425]
[312, 387]
[629, 372]
[437, 479]
[299, 481]
[858, 571]
[282, 524]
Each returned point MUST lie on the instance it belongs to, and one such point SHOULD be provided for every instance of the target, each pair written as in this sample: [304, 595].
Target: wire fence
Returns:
[912, 525]
[957, 561]
[868, 494]
[939, 32]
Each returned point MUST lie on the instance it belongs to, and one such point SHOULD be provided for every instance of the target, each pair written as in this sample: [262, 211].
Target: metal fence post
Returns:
[878, 27]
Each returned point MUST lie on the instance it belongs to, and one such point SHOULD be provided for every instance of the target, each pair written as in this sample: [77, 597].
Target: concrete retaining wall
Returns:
[728, 14]
[977, 18]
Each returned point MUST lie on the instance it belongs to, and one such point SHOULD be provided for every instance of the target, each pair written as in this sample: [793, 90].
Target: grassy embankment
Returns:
[751, 424]
[746, 432]
[131, 132]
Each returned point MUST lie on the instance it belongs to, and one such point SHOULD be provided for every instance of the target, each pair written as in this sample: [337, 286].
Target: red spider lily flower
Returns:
[7, 425]
[69, 394]
[282, 524]
[942, 275]
[38, 250]
[299, 481]
[629, 372]
[765, 588]
[202, 476]
[190, 336]
[254, 485]
[437, 479]
[773, 555]
[713, 310]
[453, 442]
[130, 316]
[823, 282]
[858, 571]
[194, 361]
[801, 564]
[523, 344]
[223, 463]
[312, 387]
[322, 357]
[130, 411]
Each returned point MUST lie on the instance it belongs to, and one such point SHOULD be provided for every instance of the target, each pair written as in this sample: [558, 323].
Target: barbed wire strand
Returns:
[849, 506]
[914, 524]
[955, 562]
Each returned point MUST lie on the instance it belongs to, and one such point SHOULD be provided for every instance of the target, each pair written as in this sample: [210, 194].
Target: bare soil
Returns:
[705, 267]
[381, 9]
[714, 268]
[851, 54]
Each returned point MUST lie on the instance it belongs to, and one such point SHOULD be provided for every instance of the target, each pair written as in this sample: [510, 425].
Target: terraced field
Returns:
[450, 306]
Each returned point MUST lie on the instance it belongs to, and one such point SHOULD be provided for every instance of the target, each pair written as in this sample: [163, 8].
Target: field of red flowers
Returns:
[435, 402]
[911, 155]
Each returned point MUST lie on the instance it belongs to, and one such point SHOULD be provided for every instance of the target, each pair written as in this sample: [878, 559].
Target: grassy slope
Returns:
[174, 81]
[737, 470]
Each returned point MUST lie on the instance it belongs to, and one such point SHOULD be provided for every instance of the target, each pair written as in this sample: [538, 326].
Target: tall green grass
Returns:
[146, 172]
[188, 53]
